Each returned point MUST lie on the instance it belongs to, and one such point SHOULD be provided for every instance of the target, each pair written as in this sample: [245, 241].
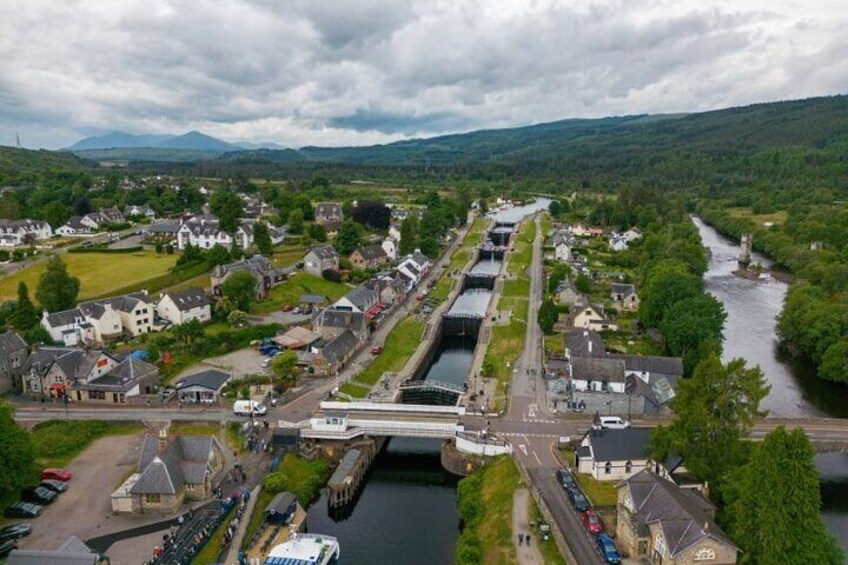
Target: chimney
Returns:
[163, 438]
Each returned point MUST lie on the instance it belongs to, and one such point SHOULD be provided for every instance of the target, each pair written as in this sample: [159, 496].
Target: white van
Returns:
[248, 407]
[614, 423]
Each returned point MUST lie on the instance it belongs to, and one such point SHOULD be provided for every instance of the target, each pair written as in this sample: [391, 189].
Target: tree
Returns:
[10, 208]
[189, 332]
[57, 290]
[548, 316]
[374, 215]
[284, 368]
[218, 255]
[348, 238]
[408, 234]
[318, 233]
[714, 409]
[693, 327]
[18, 459]
[295, 222]
[667, 283]
[240, 289]
[25, 315]
[82, 206]
[55, 213]
[237, 318]
[37, 335]
[834, 365]
[773, 504]
[583, 283]
[430, 247]
[262, 238]
[223, 307]
[229, 208]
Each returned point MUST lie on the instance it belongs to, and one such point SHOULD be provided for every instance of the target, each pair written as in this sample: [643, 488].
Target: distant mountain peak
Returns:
[194, 140]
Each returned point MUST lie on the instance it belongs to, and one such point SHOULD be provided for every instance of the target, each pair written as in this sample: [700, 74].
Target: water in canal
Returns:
[452, 360]
[406, 512]
[752, 309]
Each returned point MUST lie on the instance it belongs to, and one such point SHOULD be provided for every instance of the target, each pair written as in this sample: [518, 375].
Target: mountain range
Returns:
[191, 141]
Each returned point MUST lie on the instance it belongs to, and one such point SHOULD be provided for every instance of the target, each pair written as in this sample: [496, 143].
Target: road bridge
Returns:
[349, 420]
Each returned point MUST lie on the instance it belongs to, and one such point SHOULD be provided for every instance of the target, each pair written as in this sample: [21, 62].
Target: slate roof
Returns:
[123, 302]
[619, 445]
[328, 210]
[686, 518]
[72, 552]
[257, 265]
[325, 252]
[183, 461]
[10, 341]
[189, 298]
[597, 369]
[332, 318]
[623, 289]
[75, 222]
[124, 376]
[64, 318]
[651, 363]
[420, 259]
[312, 298]
[578, 343]
[372, 252]
[363, 297]
[164, 228]
[280, 503]
[211, 379]
[336, 350]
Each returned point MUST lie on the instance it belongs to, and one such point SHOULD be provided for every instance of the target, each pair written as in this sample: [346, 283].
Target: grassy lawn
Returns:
[460, 258]
[57, 442]
[400, 345]
[288, 255]
[201, 281]
[301, 283]
[554, 344]
[355, 389]
[776, 217]
[546, 225]
[99, 273]
[599, 493]
[500, 479]
[298, 476]
[440, 292]
[475, 232]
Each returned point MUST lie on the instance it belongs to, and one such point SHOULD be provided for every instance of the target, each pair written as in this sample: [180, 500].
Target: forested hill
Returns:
[816, 122]
[25, 166]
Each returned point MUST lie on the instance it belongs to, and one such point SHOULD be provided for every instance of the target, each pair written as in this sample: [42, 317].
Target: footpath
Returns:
[527, 551]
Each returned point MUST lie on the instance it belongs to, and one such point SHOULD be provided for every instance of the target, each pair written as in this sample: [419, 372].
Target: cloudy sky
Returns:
[352, 72]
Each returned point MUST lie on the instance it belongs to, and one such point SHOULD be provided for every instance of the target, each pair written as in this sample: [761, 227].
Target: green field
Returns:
[288, 255]
[399, 347]
[301, 283]
[99, 273]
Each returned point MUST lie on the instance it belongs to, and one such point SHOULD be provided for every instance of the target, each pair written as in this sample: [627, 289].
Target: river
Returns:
[752, 310]
[406, 512]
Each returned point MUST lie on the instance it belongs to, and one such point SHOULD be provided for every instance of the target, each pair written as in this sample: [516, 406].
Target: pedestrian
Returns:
[520, 539]
[527, 537]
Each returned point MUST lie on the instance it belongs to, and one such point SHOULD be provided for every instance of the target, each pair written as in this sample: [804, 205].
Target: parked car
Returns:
[15, 531]
[248, 407]
[592, 521]
[54, 474]
[566, 479]
[377, 349]
[296, 310]
[23, 510]
[38, 495]
[287, 308]
[56, 486]
[607, 548]
[613, 423]
[7, 547]
[578, 501]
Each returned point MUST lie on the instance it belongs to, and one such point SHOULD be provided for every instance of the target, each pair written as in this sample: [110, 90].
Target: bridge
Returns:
[350, 420]
[442, 393]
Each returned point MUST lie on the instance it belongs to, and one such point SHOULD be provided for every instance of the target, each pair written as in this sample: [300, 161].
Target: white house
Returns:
[74, 227]
[590, 317]
[618, 242]
[204, 232]
[390, 246]
[394, 232]
[182, 306]
[90, 323]
[598, 374]
[632, 234]
[360, 299]
[562, 243]
[140, 210]
[320, 259]
[18, 232]
[135, 310]
[614, 455]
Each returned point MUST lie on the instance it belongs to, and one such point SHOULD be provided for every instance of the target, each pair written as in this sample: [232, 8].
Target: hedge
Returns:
[97, 249]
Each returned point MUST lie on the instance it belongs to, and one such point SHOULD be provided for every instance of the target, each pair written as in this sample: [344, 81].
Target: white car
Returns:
[613, 423]
[248, 407]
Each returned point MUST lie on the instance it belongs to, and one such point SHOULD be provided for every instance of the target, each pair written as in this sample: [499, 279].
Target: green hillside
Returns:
[21, 166]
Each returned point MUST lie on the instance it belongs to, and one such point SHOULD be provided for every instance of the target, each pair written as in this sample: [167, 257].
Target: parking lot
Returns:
[85, 509]
[243, 362]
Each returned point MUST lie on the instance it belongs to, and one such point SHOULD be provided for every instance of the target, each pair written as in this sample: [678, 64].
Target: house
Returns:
[140, 210]
[330, 322]
[320, 259]
[566, 293]
[390, 246]
[562, 242]
[399, 214]
[332, 228]
[369, 256]
[204, 387]
[327, 212]
[297, 337]
[663, 523]
[414, 267]
[112, 215]
[394, 231]
[591, 317]
[170, 470]
[130, 377]
[179, 307]
[360, 299]
[202, 231]
[23, 232]
[632, 234]
[598, 374]
[584, 343]
[309, 301]
[71, 552]
[74, 227]
[333, 356]
[162, 231]
[266, 274]
[391, 286]
[618, 242]
[52, 371]
[135, 311]
[651, 367]
[614, 455]
[90, 323]
[624, 297]
[13, 357]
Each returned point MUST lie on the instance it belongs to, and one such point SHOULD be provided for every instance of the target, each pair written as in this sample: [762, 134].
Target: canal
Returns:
[406, 512]
[752, 310]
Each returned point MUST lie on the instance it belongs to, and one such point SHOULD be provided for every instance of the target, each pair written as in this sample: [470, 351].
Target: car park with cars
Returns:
[592, 522]
[38, 495]
[23, 510]
[56, 475]
[15, 531]
[56, 486]
[566, 479]
[578, 501]
[7, 547]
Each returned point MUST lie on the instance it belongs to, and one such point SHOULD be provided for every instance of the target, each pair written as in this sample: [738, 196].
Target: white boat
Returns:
[305, 549]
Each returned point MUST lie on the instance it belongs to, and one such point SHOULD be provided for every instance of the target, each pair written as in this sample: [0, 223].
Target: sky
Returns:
[359, 72]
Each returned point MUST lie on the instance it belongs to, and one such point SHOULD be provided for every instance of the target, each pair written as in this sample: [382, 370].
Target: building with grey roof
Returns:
[170, 470]
[204, 387]
[71, 552]
[330, 322]
[658, 520]
[320, 259]
[179, 307]
[359, 299]
[612, 455]
[333, 356]
[263, 270]
[598, 374]
[13, 358]
[369, 256]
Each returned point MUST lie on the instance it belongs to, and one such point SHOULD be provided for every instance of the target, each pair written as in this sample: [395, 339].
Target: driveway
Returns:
[85, 509]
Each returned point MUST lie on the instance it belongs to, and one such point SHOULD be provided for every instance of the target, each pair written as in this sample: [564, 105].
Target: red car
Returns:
[56, 475]
[377, 349]
[592, 522]
[287, 308]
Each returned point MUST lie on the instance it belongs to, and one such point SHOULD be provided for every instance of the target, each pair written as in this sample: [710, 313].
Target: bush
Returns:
[301, 477]
[332, 275]
[104, 249]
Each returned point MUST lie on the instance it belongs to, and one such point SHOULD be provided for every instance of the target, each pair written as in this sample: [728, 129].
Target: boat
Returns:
[305, 549]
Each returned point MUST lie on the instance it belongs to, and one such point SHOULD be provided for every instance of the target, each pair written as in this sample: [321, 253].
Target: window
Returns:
[705, 554]
[152, 498]
[628, 467]
[659, 548]
[607, 468]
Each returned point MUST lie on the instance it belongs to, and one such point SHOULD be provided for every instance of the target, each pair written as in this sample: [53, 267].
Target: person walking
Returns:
[520, 539]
